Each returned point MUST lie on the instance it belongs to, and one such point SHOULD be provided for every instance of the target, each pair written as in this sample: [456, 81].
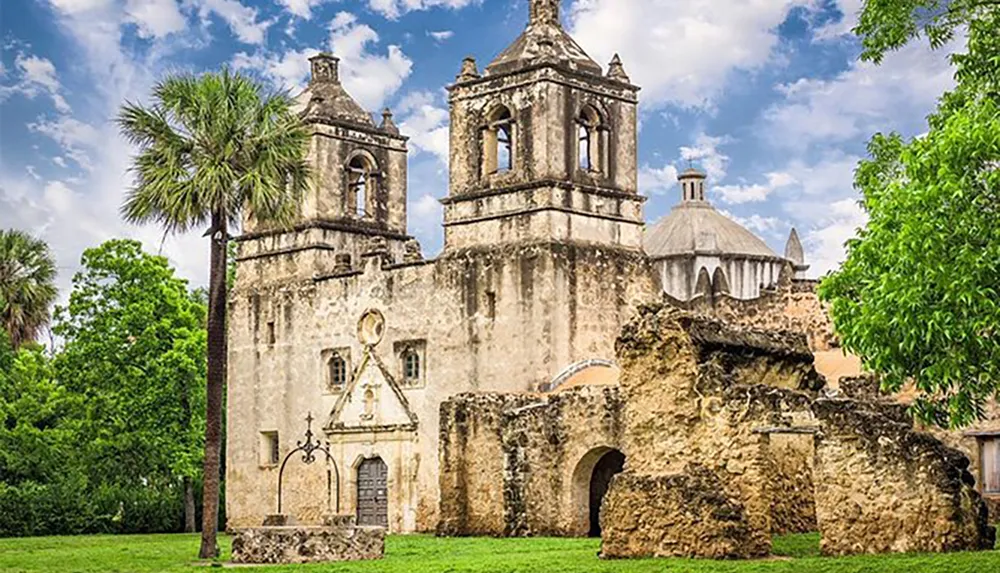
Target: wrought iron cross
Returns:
[309, 447]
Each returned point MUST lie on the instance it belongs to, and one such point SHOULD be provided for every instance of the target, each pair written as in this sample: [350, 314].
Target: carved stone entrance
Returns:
[373, 498]
[610, 464]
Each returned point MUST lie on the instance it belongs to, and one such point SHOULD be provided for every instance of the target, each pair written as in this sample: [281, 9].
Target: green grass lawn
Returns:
[425, 554]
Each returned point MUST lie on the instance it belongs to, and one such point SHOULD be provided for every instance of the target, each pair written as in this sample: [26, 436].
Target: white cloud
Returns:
[825, 242]
[155, 18]
[36, 76]
[302, 8]
[368, 76]
[657, 181]
[78, 6]
[705, 151]
[78, 209]
[771, 226]
[848, 19]
[752, 193]
[681, 51]
[242, 20]
[76, 138]
[861, 100]
[441, 35]
[426, 124]
[288, 71]
[393, 9]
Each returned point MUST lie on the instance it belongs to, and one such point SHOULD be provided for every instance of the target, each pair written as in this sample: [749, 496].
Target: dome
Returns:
[696, 227]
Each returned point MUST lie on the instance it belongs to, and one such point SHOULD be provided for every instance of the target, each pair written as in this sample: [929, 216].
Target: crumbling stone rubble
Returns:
[696, 391]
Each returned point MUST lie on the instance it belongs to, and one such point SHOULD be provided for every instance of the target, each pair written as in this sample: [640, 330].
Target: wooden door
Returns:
[990, 464]
[373, 498]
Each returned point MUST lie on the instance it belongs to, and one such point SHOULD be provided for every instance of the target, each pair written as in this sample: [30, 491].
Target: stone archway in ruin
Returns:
[591, 479]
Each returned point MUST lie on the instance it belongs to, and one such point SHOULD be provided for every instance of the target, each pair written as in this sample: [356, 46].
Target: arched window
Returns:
[586, 161]
[337, 367]
[591, 146]
[411, 366]
[498, 142]
[361, 184]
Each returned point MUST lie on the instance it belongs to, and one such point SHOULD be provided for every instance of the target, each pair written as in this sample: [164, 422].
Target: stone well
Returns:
[339, 539]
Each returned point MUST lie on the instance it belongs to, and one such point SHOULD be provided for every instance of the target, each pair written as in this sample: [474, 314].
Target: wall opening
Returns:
[591, 478]
[611, 463]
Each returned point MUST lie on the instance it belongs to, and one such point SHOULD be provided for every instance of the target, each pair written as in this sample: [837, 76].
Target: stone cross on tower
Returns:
[325, 68]
[544, 12]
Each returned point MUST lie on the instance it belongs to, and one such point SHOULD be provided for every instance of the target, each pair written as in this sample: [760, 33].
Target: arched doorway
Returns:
[373, 493]
[610, 464]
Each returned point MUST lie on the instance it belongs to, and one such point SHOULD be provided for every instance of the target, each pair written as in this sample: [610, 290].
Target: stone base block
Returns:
[679, 515]
[298, 544]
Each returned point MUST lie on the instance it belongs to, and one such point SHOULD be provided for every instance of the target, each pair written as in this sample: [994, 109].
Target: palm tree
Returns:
[211, 149]
[27, 272]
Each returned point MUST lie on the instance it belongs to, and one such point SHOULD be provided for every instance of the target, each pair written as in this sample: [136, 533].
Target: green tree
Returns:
[135, 350]
[918, 298]
[213, 149]
[27, 272]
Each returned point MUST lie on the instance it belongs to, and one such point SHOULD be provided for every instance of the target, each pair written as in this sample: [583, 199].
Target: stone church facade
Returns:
[546, 257]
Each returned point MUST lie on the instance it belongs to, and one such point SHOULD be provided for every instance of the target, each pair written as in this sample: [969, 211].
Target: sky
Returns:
[767, 96]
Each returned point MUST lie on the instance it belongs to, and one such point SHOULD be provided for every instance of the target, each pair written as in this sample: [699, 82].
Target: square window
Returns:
[336, 368]
[411, 357]
[270, 449]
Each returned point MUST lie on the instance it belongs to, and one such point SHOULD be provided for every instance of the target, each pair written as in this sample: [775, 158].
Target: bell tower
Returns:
[356, 205]
[543, 145]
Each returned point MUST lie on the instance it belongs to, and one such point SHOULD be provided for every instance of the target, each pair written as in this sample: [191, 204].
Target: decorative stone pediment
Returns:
[373, 400]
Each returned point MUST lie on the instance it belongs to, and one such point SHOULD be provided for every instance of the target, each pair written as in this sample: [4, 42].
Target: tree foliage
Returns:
[213, 149]
[918, 297]
[106, 436]
[135, 350]
[27, 289]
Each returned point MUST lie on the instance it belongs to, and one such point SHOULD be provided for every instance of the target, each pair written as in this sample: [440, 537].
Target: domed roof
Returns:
[696, 227]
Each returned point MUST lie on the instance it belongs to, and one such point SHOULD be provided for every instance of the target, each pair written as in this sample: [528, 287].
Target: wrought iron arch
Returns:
[309, 449]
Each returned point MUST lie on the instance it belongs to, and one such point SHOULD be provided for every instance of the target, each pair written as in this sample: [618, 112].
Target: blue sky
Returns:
[765, 95]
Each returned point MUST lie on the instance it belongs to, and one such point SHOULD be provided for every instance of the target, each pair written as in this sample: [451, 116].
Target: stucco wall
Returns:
[503, 319]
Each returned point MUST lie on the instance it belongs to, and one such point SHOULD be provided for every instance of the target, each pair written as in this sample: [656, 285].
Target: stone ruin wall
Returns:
[520, 465]
[688, 411]
[883, 487]
[790, 460]
[694, 404]
[792, 305]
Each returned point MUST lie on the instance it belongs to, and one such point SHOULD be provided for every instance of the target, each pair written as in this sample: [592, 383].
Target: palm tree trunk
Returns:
[189, 509]
[216, 379]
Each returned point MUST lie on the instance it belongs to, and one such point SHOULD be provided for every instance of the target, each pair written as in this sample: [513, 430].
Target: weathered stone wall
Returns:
[790, 483]
[494, 319]
[472, 465]
[883, 487]
[792, 306]
[677, 515]
[687, 399]
[696, 391]
[517, 465]
[317, 544]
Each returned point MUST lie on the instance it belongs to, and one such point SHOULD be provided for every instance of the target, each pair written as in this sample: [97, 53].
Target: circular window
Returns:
[371, 328]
